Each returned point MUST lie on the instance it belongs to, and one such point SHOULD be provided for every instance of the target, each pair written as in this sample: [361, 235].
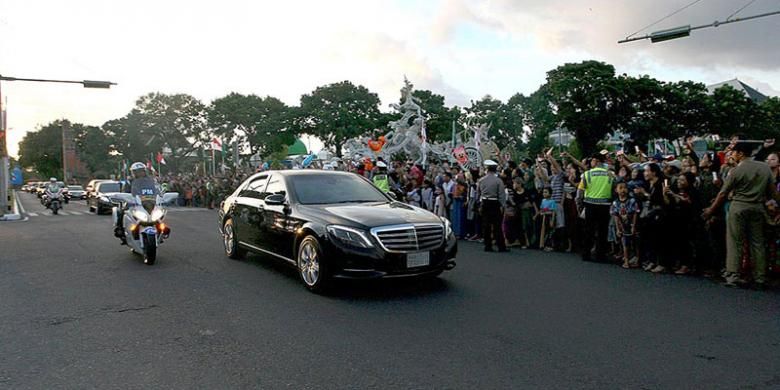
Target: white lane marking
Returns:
[76, 212]
[32, 214]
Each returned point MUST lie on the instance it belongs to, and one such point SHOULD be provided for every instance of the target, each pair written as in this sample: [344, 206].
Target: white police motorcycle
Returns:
[143, 222]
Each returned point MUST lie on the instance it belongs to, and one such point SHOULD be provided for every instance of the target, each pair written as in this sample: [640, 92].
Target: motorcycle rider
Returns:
[142, 185]
[52, 189]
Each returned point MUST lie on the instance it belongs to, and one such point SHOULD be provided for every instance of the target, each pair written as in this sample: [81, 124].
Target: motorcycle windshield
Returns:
[148, 203]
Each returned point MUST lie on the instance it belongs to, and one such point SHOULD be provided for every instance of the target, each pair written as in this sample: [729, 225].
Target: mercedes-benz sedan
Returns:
[332, 225]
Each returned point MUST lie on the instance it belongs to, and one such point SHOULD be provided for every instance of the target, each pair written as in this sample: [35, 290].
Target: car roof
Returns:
[302, 172]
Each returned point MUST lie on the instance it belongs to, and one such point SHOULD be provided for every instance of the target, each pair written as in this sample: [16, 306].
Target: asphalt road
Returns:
[77, 310]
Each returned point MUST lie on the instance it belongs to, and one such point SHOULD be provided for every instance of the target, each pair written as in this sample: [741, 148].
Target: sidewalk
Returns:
[16, 214]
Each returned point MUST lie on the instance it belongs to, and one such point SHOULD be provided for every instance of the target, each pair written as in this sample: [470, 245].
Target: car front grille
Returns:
[409, 238]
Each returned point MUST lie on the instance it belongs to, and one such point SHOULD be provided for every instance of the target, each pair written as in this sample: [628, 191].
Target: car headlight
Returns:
[350, 236]
[141, 215]
[447, 227]
[157, 214]
[105, 199]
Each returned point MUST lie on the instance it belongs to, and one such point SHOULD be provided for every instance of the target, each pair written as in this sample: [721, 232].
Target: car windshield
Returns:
[109, 187]
[75, 188]
[328, 189]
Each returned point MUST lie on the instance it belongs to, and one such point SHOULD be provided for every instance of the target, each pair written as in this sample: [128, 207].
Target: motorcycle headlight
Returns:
[141, 215]
[447, 227]
[350, 236]
[157, 214]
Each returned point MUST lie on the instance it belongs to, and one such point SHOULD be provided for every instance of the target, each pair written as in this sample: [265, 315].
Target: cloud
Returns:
[596, 25]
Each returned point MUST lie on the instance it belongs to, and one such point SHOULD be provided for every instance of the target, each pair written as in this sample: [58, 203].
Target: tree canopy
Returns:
[337, 112]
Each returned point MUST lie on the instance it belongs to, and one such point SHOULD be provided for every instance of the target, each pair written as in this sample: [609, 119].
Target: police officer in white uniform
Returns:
[492, 196]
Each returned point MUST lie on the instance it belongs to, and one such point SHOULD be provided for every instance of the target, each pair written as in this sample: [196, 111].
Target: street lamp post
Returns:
[4, 206]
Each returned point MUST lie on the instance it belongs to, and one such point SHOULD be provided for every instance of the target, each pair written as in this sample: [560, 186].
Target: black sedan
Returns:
[333, 225]
[101, 200]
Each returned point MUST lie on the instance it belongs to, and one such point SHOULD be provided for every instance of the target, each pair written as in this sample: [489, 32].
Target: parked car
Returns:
[33, 187]
[77, 192]
[334, 225]
[101, 199]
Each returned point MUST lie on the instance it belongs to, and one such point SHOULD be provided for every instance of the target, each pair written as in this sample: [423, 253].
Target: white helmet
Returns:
[381, 164]
[137, 166]
[53, 179]
[490, 163]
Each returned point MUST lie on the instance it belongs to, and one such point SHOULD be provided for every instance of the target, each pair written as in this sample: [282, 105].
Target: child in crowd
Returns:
[440, 204]
[625, 211]
[525, 201]
[547, 212]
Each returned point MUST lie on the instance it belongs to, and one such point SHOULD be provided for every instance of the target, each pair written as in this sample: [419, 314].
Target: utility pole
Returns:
[65, 137]
[4, 206]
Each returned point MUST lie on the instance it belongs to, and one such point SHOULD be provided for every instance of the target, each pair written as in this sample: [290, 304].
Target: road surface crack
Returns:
[140, 308]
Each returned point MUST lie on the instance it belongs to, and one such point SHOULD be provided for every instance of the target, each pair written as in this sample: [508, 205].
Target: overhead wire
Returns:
[666, 17]
[740, 10]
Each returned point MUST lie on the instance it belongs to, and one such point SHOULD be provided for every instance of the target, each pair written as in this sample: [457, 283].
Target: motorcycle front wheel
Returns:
[150, 249]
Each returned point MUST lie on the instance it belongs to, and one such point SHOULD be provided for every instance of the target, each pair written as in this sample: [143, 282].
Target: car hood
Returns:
[370, 215]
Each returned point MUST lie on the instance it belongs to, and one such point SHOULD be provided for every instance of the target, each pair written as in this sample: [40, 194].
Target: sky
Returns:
[461, 49]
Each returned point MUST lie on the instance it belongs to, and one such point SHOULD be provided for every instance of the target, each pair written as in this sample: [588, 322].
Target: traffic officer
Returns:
[596, 184]
[750, 185]
[380, 179]
[492, 197]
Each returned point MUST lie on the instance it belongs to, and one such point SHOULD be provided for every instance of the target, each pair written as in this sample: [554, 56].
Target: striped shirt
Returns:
[556, 184]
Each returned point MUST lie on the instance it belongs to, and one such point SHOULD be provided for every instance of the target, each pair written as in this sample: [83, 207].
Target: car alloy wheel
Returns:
[229, 241]
[310, 266]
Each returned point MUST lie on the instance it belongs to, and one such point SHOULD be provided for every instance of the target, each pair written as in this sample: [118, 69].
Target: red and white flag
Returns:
[160, 159]
[216, 144]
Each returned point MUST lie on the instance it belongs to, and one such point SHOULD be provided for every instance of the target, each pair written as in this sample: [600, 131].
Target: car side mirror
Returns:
[275, 199]
[392, 195]
[169, 197]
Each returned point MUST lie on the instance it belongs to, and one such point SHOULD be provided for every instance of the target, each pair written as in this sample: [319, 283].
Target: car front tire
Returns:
[230, 242]
[311, 268]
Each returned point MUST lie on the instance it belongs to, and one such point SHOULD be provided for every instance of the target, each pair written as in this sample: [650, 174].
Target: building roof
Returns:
[749, 91]
[297, 148]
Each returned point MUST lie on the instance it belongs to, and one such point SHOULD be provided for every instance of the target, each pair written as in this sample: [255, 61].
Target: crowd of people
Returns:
[201, 191]
[713, 214]
[661, 213]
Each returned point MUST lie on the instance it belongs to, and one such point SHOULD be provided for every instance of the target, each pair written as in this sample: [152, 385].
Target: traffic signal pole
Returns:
[4, 201]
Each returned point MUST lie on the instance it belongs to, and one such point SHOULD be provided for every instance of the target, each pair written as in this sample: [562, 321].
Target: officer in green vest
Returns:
[596, 184]
[380, 179]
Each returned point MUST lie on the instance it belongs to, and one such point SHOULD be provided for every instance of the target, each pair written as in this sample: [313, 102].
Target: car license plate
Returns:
[418, 259]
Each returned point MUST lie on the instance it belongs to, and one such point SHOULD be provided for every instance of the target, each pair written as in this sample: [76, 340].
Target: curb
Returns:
[17, 215]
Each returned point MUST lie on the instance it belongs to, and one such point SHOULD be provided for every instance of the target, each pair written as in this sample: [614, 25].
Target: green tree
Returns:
[584, 97]
[261, 122]
[731, 112]
[159, 120]
[686, 108]
[506, 125]
[41, 150]
[337, 112]
[770, 112]
[94, 147]
[537, 117]
[128, 137]
[640, 108]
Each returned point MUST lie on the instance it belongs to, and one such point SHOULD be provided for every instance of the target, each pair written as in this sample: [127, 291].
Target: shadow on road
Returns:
[368, 290]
